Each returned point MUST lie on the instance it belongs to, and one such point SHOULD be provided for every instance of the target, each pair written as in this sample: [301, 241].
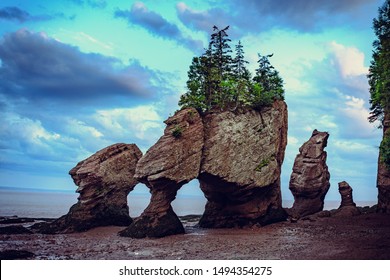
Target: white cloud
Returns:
[80, 128]
[349, 60]
[127, 122]
[355, 116]
[292, 140]
[31, 138]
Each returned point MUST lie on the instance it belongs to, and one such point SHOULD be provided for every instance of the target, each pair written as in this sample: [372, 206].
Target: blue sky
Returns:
[79, 75]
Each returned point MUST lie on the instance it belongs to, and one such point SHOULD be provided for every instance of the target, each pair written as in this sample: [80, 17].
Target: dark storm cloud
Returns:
[203, 20]
[37, 67]
[302, 15]
[19, 15]
[153, 22]
[14, 13]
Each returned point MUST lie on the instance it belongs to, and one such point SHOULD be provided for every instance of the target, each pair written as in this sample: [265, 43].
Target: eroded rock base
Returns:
[154, 226]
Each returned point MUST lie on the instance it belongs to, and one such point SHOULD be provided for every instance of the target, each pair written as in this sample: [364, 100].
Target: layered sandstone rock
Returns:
[104, 180]
[241, 166]
[237, 158]
[347, 206]
[383, 178]
[383, 185]
[173, 161]
[309, 181]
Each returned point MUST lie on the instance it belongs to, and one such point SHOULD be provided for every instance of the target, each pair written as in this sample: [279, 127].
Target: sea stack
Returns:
[347, 206]
[104, 180]
[236, 156]
[241, 166]
[345, 191]
[309, 181]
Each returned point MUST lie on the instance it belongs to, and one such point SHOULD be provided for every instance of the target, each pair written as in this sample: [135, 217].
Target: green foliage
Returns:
[384, 150]
[379, 72]
[218, 81]
[177, 131]
[262, 164]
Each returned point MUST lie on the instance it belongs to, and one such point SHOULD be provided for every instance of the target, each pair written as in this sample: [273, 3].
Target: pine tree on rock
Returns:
[379, 72]
[268, 85]
[379, 81]
[216, 81]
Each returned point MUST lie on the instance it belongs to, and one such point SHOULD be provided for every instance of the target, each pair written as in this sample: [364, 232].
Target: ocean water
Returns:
[35, 204]
[49, 204]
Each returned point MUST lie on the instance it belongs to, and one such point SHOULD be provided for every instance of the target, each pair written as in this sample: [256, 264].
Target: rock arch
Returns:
[236, 156]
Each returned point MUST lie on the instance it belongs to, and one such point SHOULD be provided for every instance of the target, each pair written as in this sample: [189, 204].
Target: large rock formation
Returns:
[241, 166]
[347, 206]
[237, 158]
[104, 179]
[383, 178]
[383, 185]
[173, 161]
[309, 181]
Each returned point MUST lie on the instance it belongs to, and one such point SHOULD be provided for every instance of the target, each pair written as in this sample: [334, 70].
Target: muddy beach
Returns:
[365, 237]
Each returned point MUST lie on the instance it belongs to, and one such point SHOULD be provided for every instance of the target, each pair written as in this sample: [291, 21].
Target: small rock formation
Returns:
[237, 158]
[172, 162]
[309, 181]
[345, 191]
[241, 166]
[347, 207]
[104, 179]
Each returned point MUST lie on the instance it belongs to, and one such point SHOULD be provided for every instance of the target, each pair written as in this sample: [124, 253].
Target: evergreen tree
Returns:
[195, 96]
[221, 60]
[268, 85]
[217, 81]
[220, 48]
[379, 72]
[379, 81]
[241, 78]
[239, 69]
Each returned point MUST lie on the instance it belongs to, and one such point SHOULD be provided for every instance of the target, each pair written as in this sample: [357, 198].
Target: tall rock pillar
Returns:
[241, 165]
[309, 181]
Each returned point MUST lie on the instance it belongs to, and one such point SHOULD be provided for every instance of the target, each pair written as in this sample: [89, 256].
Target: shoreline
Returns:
[366, 236]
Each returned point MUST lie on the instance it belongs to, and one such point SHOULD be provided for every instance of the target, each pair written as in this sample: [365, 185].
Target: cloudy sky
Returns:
[79, 75]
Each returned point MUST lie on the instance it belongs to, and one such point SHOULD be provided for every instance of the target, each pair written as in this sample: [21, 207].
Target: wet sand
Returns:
[361, 237]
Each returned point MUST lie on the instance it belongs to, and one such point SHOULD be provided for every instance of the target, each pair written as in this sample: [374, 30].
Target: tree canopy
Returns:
[216, 80]
[379, 72]
[379, 79]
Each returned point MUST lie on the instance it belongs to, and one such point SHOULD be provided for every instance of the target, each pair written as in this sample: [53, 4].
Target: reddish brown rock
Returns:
[347, 206]
[173, 161]
[345, 191]
[241, 165]
[236, 156]
[383, 178]
[383, 185]
[309, 180]
[104, 179]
